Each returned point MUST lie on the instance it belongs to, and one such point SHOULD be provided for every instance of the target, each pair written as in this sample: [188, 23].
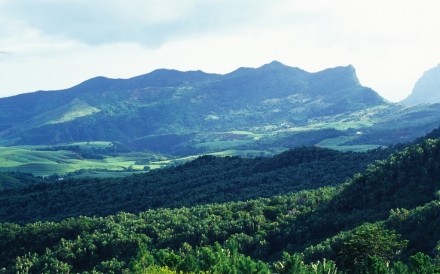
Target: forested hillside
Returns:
[207, 179]
[384, 220]
[10, 180]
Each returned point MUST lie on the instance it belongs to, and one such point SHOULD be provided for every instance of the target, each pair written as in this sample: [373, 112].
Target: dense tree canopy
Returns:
[207, 179]
[382, 221]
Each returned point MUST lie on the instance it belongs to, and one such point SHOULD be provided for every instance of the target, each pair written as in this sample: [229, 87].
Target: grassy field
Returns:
[77, 159]
[45, 161]
[41, 162]
[339, 144]
[224, 141]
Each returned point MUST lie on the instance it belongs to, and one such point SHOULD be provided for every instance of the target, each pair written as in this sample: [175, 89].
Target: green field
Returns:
[338, 143]
[221, 141]
[45, 161]
[97, 159]
[41, 161]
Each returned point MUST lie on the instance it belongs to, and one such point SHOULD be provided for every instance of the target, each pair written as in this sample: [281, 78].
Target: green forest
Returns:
[307, 210]
[207, 179]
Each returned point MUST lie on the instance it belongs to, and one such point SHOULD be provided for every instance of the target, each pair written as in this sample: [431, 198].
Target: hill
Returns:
[384, 220]
[9, 180]
[427, 89]
[205, 180]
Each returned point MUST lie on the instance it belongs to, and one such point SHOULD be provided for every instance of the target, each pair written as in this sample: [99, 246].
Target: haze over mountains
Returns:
[427, 88]
[183, 113]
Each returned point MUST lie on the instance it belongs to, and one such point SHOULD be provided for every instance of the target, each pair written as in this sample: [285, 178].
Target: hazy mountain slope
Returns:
[401, 124]
[427, 89]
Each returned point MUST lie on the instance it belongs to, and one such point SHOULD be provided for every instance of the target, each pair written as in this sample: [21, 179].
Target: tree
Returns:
[423, 264]
[366, 242]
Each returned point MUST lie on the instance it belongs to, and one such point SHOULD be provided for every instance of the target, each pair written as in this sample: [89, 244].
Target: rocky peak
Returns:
[427, 89]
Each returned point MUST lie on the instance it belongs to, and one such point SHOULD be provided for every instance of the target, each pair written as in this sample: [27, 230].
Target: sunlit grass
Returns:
[45, 162]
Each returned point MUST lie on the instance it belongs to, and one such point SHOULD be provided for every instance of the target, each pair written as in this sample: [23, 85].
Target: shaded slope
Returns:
[407, 179]
[10, 180]
[205, 180]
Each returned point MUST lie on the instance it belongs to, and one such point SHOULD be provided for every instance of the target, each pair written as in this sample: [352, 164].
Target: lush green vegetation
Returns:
[207, 179]
[307, 210]
[10, 180]
[384, 220]
[106, 158]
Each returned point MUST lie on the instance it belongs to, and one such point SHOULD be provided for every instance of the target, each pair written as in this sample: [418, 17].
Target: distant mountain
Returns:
[169, 101]
[427, 89]
[184, 113]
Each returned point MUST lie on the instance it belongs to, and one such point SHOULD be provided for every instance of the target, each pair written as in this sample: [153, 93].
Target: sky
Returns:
[56, 44]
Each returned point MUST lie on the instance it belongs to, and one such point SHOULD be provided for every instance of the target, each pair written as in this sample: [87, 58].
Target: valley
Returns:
[261, 170]
[382, 213]
[357, 131]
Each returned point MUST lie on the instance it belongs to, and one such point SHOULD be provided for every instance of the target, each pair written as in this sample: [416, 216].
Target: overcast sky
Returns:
[55, 44]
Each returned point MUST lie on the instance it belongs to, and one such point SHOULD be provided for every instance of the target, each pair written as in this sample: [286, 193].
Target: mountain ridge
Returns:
[186, 113]
[187, 99]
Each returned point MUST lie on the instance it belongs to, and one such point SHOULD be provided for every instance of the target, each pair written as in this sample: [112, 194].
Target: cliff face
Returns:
[426, 90]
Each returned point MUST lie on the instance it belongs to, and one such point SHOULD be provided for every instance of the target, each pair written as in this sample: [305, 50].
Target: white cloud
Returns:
[148, 22]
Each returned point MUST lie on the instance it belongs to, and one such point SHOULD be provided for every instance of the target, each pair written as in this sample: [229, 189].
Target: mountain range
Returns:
[186, 113]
